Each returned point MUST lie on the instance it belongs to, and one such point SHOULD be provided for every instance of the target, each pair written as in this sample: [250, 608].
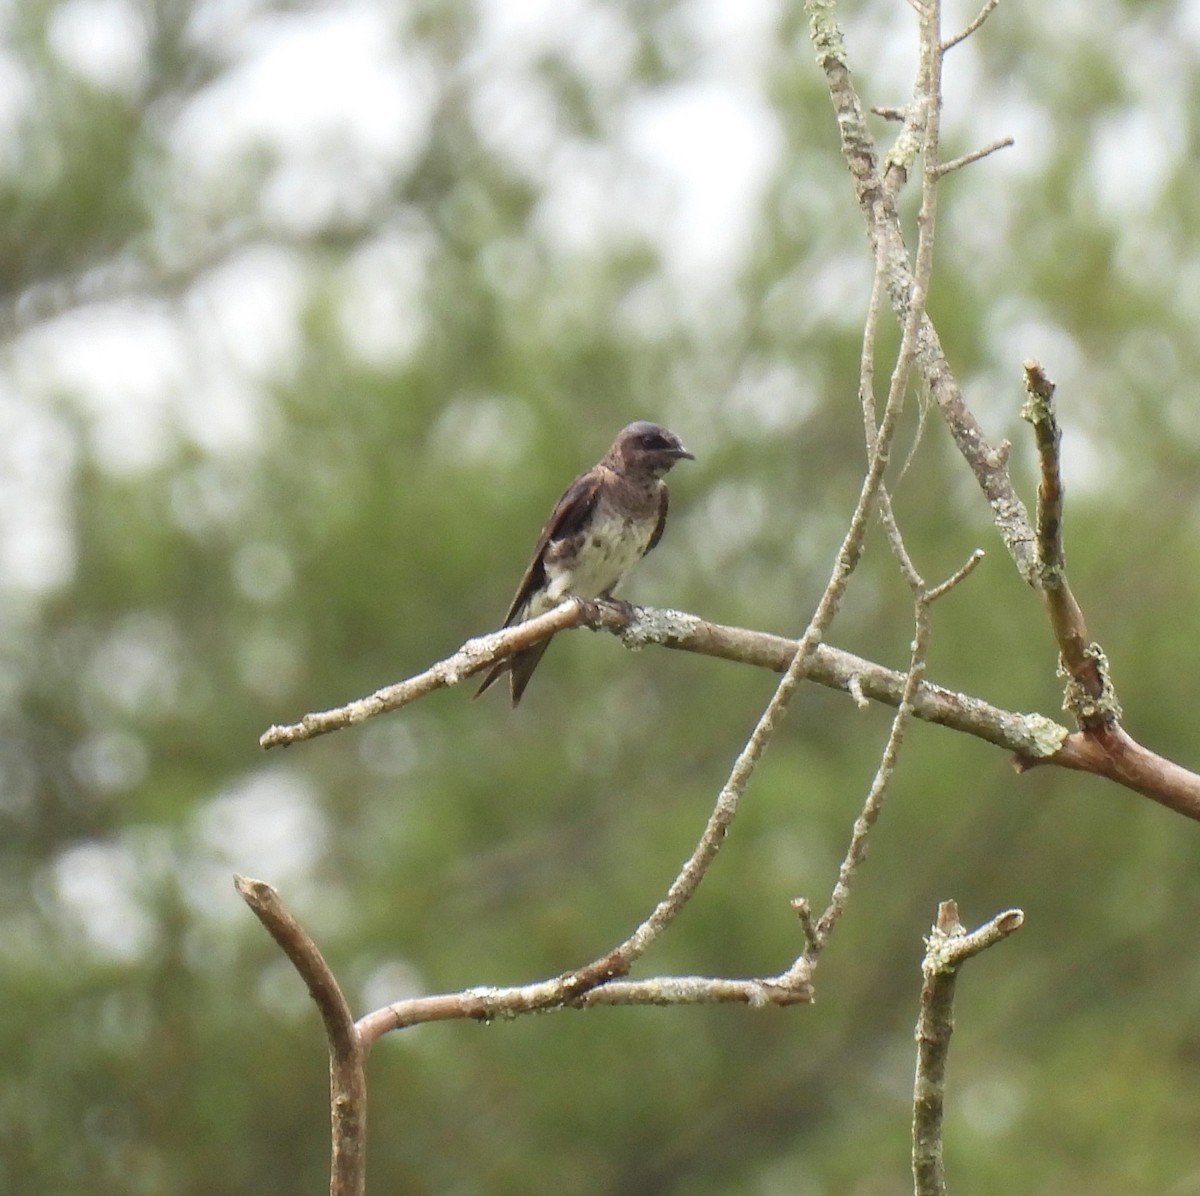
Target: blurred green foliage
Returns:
[339, 497]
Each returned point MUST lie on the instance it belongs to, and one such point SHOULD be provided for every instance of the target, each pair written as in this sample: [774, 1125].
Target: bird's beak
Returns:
[681, 454]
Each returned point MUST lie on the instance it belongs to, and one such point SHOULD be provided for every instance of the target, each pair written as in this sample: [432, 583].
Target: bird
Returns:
[607, 520]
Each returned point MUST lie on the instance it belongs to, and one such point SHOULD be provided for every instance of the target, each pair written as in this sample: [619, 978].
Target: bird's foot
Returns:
[625, 609]
[590, 609]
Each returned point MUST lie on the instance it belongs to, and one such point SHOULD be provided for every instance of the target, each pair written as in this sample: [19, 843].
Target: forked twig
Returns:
[947, 948]
[349, 1041]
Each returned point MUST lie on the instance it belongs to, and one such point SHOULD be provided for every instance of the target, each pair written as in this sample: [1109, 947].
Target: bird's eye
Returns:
[654, 442]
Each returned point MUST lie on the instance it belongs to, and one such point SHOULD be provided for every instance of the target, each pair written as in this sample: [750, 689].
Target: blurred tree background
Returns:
[310, 311]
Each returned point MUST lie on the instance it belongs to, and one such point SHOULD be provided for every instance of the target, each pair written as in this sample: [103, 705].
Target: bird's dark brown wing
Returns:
[569, 514]
[663, 500]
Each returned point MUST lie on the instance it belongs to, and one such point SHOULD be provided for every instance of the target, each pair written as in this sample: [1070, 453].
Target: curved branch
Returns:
[1111, 752]
[347, 1052]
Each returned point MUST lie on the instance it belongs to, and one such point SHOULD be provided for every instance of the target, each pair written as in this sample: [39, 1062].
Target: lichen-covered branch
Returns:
[486, 1004]
[1090, 697]
[947, 947]
[877, 199]
[474, 656]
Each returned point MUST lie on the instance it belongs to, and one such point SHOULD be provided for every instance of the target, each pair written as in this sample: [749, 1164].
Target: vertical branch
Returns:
[876, 795]
[921, 132]
[924, 598]
[1089, 692]
[347, 1054]
[947, 947]
[878, 203]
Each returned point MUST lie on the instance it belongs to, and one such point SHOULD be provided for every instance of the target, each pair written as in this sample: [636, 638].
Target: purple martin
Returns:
[607, 520]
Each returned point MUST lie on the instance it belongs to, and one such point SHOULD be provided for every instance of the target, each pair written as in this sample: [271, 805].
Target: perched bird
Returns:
[607, 520]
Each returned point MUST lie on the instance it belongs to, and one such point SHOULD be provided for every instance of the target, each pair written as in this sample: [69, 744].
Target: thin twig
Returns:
[866, 391]
[804, 912]
[957, 577]
[474, 656]
[962, 35]
[931, 53]
[927, 99]
[947, 947]
[975, 155]
[877, 793]
[347, 1053]
[855, 689]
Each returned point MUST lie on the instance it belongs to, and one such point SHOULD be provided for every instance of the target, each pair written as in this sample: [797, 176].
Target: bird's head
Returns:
[647, 448]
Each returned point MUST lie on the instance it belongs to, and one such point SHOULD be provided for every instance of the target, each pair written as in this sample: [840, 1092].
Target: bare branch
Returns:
[1110, 751]
[873, 805]
[500, 1004]
[1033, 739]
[804, 913]
[347, 1053]
[962, 35]
[878, 203]
[957, 577]
[947, 947]
[1031, 736]
[854, 688]
[976, 155]
[474, 656]
[349, 1041]
[1090, 696]
[877, 793]
[923, 125]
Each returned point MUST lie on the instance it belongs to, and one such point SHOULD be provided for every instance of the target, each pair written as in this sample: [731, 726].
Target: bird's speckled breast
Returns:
[592, 563]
